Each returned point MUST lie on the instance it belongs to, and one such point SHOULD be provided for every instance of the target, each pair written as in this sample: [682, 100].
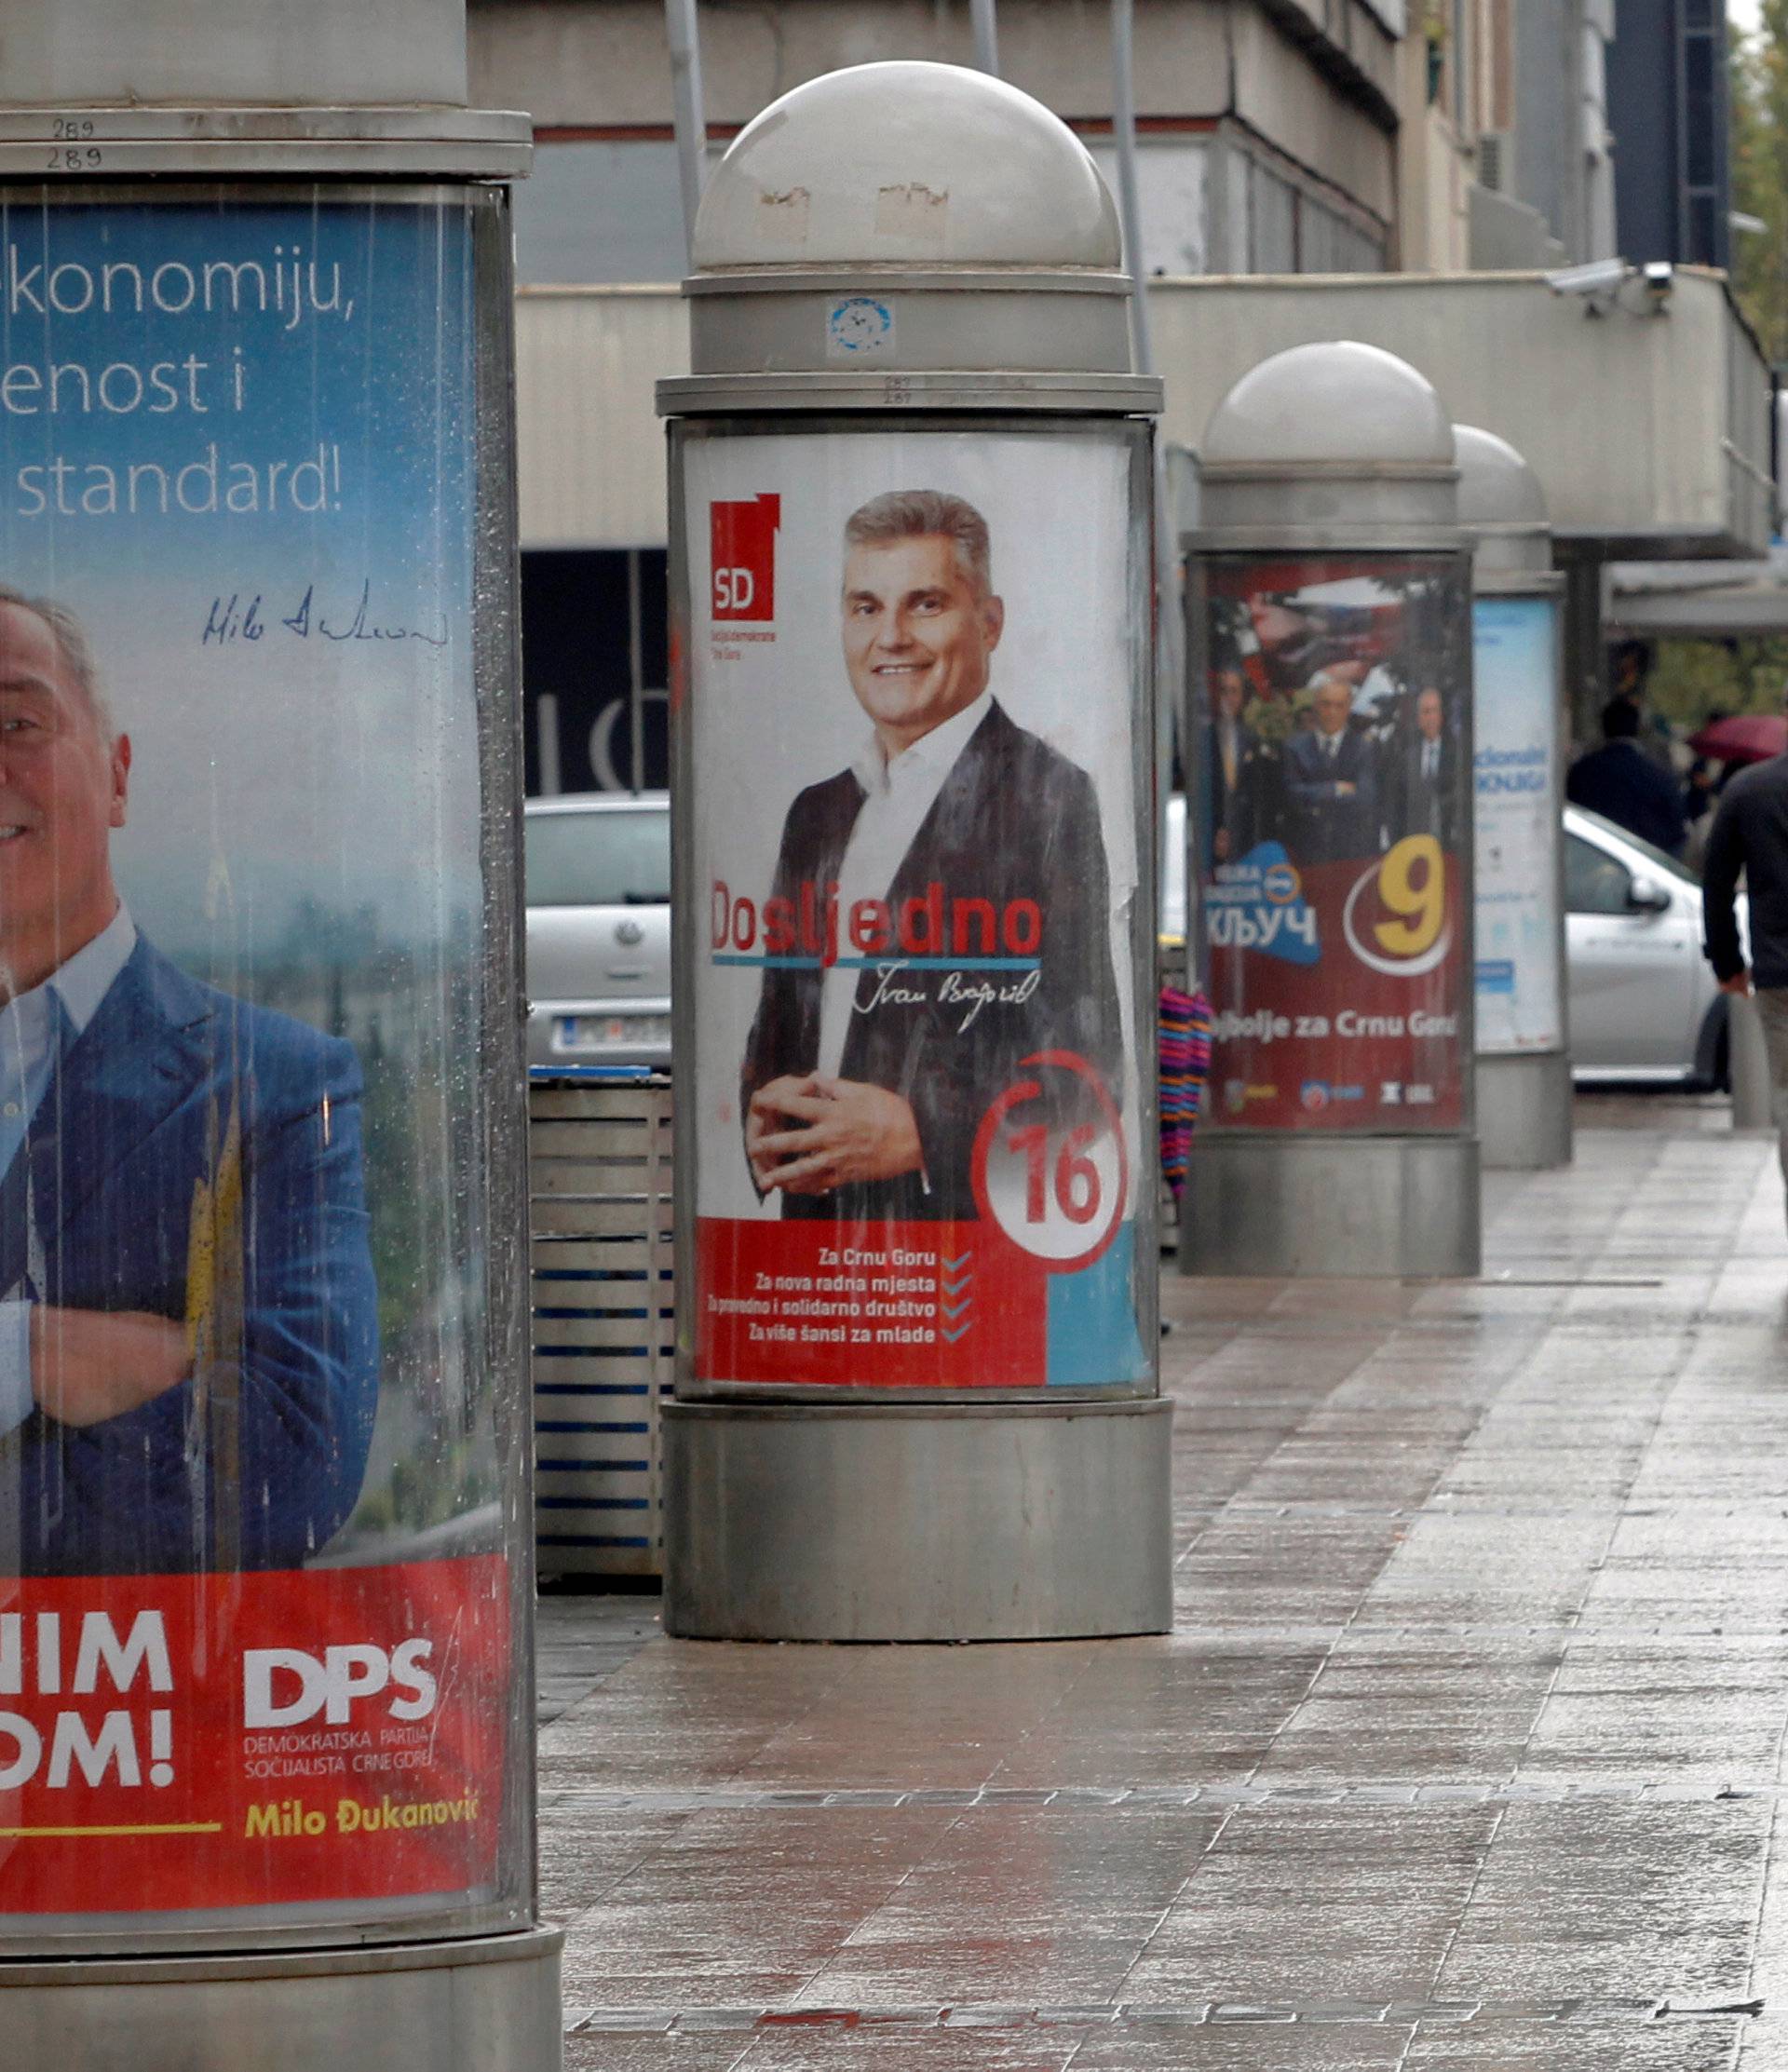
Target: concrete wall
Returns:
[1295, 106]
[1643, 425]
[1647, 429]
[589, 448]
[1324, 102]
[260, 53]
[1559, 111]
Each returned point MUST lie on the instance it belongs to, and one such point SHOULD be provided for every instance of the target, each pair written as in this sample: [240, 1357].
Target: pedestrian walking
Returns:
[1620, 782]
[1750, 835]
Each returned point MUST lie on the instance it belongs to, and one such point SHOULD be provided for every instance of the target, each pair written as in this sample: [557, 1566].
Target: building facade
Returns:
[1267, 128]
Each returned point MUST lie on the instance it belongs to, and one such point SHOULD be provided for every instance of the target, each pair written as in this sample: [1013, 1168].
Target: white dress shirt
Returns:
[34, 1027]
[899, 793]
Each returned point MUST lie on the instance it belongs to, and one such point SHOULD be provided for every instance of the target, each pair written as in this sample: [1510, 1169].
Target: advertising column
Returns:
[911, 708]
[1330, 827]
[1523, 1060]
[1336, 726]
[255, 1645]
[917, 1103]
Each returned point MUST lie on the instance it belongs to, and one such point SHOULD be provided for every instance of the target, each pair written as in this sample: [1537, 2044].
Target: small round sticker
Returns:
[859, 324]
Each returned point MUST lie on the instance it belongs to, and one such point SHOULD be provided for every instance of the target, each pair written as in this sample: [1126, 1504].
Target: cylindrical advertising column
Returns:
[1330, 835]
[911, 474]
[1518, 790]
[266, 1660]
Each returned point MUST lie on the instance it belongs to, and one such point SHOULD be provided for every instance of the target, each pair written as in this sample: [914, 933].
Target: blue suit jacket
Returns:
[255, 1460]
[1621, 782]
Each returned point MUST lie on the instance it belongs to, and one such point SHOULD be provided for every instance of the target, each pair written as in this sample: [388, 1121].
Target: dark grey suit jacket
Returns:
[1013, 821]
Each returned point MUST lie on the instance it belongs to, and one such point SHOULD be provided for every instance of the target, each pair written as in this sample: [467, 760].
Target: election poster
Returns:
[912, 704]
[1516, 791]
[1331, 751]
[254, 1631]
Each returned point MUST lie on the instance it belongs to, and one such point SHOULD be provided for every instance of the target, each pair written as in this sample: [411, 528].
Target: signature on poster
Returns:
[230, 618]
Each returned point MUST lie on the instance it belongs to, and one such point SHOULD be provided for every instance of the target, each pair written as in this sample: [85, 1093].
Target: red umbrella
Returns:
[1745, 737]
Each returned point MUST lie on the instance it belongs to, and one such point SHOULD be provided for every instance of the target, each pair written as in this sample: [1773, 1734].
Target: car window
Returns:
[618, 857]
[1667, 865]
[1594, 882]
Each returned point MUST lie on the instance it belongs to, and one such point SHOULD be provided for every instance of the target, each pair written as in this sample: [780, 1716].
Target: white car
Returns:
[1645, 1004]
[598, 874]
[1644, 1007]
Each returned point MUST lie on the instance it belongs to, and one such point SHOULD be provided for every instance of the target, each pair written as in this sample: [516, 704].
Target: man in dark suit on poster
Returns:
[970, 926]
[1331, 781]
[1426, 798]
[188, 1318]
[1231, 775]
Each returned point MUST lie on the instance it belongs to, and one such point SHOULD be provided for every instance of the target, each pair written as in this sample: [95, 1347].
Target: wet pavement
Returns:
[1467, 1750]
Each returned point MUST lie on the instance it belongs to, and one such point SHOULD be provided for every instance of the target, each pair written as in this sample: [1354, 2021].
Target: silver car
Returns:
[598, 869]
[1645, 1004]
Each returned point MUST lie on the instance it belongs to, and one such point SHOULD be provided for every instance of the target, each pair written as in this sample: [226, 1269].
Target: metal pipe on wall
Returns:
[983, 14]
[1169, 640]
[682, 32]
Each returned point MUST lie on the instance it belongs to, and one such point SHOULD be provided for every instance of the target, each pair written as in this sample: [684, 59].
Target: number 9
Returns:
[1411, 883]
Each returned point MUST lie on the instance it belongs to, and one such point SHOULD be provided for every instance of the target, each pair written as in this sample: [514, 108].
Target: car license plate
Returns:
[611, 1032]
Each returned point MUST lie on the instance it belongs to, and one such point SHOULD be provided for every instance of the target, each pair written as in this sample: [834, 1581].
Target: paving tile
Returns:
[1482, 1599]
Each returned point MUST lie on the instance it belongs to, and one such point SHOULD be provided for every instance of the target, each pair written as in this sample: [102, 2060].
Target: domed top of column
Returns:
[1334, 442]
[1501, 506]
[906, 164]
[1321, 405]
[1496, 487]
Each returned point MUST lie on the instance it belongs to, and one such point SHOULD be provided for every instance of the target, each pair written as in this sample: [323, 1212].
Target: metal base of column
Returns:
[1398, 1208]
[488, 2004]
[1524, 1112]
[876, 1521]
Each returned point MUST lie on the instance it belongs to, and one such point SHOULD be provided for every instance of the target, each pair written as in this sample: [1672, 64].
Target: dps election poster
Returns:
[1516, 791]
[910, 690]
[1332, 754]
[254, 1641]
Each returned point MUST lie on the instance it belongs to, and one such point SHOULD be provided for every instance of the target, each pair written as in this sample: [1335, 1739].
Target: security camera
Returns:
[1599, 277]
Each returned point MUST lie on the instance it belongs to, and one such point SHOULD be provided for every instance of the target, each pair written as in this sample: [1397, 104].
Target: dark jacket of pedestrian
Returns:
[1750, 834]
[1620, 782]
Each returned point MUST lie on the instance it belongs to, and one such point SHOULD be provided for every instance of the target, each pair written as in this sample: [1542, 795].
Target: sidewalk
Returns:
[1466, 1751]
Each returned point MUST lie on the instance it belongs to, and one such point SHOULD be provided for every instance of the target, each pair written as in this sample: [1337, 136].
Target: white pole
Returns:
[684, 35]
[1123, 131]
[1170, 647]
[986, 36]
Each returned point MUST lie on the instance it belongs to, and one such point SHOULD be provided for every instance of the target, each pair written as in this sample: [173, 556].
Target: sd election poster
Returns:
[243, 1391]
[1332, 757]
[911, 689]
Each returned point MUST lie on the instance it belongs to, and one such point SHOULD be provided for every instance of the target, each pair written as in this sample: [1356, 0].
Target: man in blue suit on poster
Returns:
[188, 1317]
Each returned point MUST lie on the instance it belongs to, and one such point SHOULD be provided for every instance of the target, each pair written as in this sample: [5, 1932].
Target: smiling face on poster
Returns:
[243, 1221]
[912, 700]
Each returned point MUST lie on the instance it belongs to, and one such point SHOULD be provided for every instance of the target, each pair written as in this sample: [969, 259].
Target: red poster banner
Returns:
[921, 1305]
[1333, 759]
[171, 1743]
